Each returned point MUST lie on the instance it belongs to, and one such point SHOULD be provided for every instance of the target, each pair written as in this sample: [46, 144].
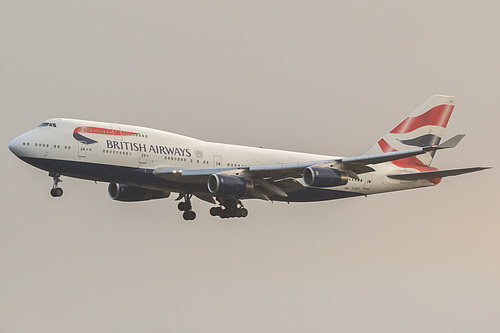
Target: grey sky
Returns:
[317, 76]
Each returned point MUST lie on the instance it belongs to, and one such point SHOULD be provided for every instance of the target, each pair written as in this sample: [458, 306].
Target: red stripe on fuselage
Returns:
[100, 130]
[437, 116]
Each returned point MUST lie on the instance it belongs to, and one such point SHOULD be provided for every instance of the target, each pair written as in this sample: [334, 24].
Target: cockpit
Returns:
[47, 125]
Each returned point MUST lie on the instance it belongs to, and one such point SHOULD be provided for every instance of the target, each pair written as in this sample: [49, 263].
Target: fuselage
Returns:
[129, 154]
[141, 163]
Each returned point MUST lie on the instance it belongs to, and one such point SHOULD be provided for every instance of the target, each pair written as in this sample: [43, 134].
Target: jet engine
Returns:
[122, 192]
[228, 185]
[324, 177]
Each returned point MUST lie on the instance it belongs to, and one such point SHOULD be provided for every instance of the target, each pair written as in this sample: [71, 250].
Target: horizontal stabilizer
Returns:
[435, 174]
[396, 155]
[452, 143]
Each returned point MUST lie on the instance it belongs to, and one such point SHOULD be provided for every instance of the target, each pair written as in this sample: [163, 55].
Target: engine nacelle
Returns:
[228, 185]
[122, 192]
[324, 177]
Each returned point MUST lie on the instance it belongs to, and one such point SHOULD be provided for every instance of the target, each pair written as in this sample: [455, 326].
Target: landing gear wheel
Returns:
[186, 207]
[189, 215]
[230, 207]
[56, 192]
[215, 211]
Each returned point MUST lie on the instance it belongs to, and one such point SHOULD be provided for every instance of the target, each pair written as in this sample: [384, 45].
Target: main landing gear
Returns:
[186, 207]
[229, 208]
[56, 191]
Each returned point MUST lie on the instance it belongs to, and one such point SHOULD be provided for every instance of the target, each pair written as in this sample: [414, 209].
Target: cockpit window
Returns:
[47, 125]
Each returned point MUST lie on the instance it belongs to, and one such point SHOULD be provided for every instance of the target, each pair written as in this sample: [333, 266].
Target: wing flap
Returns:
[269, 187]
[289, 185]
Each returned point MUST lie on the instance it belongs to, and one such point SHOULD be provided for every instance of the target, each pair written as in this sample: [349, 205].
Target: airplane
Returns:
[142, 164]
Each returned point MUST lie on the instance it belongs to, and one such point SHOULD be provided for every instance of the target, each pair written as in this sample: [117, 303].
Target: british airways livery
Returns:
[142, 164]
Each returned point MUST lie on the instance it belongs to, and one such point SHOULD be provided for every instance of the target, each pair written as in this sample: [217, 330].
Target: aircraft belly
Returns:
[310, 194]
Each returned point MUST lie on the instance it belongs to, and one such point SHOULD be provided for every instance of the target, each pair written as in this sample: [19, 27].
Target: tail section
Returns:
[424, 127]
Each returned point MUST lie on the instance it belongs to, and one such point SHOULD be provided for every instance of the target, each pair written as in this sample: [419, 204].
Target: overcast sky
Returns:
[328, 77]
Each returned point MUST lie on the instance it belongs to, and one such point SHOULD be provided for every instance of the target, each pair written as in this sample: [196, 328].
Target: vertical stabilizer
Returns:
[424, 127]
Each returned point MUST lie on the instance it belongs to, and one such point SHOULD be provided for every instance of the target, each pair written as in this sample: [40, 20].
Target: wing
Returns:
[435, 174]
[281, 179]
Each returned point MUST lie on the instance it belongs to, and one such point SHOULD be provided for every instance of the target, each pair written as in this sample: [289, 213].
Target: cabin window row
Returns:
[172, 158]
[182, 159]
[116, 152]
[45, 145]
[235, 165]
[47, 125]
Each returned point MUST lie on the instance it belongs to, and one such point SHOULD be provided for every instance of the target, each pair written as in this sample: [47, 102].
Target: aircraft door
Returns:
[143, 157]
[117, 133]
[82, 149]
[368, 181]
[46, 150]
[217, 161]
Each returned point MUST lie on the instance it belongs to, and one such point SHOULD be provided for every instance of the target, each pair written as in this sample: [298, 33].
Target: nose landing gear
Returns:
[56, 191]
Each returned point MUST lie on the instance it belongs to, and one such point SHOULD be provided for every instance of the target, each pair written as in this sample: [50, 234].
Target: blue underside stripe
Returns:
[144, 177]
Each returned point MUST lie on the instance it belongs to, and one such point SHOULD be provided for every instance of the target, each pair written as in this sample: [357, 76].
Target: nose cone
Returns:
[15, 146]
